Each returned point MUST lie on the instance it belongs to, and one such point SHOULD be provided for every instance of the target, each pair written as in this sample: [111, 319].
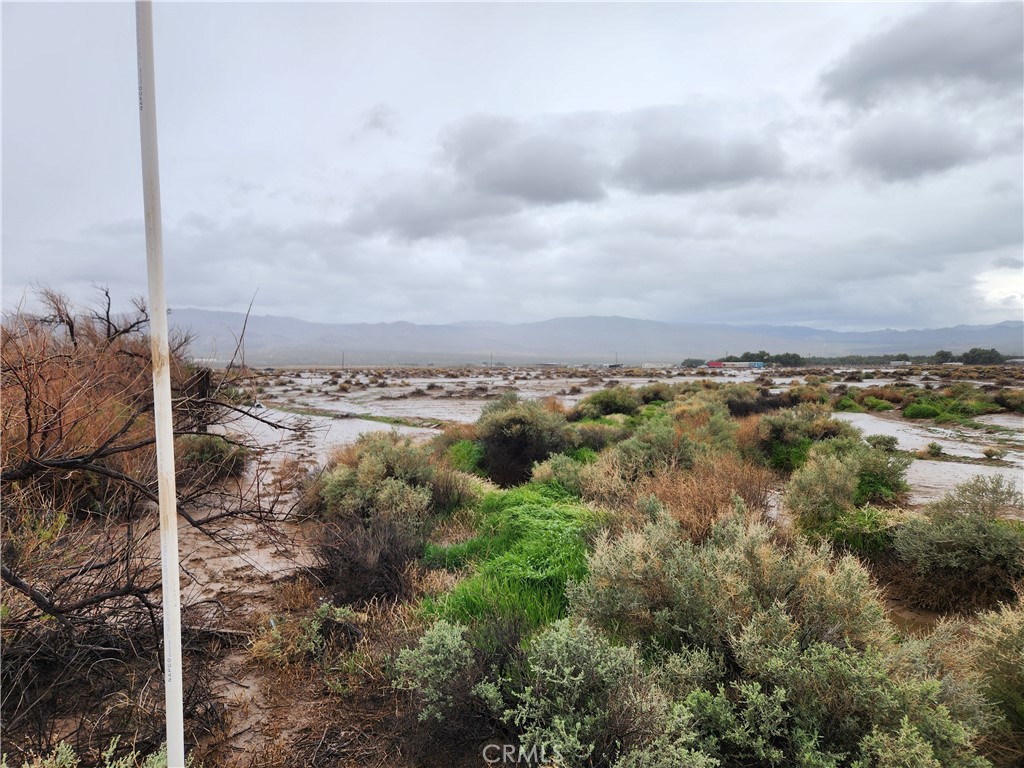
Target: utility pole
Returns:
[163, 415]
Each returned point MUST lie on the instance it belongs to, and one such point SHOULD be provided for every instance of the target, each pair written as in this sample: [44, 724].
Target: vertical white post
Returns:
[161, 387]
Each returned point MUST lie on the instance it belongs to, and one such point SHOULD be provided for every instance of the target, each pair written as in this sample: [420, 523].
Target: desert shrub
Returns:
[771, 653]
[531, 542]
[515, 434]
[655, 587]
[821, 490]
[920, 411]
[439, 672]
[961, 554]
[562, 471]
[866, 531]
[997, 646]
[584, 697]
[64, 756]
[656, 392]
[387, 475]
[701, 496]
[207, 458]
[625, 400]
[655, 446]
[877, 404]
[933, 450]
[596, 436]
[880, 476]
[358, 560]
[888, 443]
[282, 641]
[466, 456]
[1010, 399]
[840, 474]
[848, 404]
[994, 453]
[784, 437]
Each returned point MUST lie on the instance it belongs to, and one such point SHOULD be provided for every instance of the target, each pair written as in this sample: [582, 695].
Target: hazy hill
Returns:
[285, 340]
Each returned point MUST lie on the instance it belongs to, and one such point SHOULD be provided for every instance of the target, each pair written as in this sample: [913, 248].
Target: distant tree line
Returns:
[975, 356]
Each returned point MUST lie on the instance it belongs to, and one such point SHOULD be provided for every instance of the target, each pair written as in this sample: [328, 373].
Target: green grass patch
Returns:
[467, 456]
[531, 542]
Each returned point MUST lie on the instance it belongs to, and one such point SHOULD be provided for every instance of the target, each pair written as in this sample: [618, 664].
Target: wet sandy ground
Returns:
[462, 399]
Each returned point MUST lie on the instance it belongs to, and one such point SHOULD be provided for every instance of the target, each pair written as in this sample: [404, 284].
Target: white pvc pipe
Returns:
[161, 388]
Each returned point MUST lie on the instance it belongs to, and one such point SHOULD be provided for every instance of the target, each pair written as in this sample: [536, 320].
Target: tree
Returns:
[979, 356]
[942, 356]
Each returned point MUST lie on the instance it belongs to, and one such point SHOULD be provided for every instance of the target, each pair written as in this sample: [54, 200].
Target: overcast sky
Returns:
[851, 166]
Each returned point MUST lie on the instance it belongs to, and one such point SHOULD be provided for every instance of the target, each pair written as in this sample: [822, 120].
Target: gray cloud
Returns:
[906, 148]
[945, 45]
[430, 206]
[497, 156]
[379, 119]
[667, 162]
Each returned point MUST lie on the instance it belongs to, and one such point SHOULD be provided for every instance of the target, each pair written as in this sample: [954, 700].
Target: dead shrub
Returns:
[702, 496]
[355, 561]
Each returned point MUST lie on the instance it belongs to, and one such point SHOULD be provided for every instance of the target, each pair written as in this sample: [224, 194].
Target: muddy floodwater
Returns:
[339, 408]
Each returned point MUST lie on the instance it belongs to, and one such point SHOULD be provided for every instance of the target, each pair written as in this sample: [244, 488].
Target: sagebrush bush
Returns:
[439, 673]
[888, 443]
[584, 697]
[654, 447]
[625, 400]
[821, 490]
[561, 471]
[997, 645]
[961, 553]
[654, 586]
[770, 652]
[515, 434]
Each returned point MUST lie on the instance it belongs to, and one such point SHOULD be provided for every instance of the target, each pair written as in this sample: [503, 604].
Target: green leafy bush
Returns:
[920, 411]
[880, 476]
[865, 531]
[877, 404]
[887, 443]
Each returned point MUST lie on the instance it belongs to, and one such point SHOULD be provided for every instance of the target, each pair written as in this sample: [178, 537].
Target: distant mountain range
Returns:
[287, 341]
